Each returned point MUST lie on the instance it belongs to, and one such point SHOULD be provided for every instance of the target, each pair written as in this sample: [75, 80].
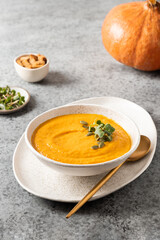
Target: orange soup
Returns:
[64, 139]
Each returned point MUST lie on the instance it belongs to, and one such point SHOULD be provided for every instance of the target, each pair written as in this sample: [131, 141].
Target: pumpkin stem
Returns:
[152, 3]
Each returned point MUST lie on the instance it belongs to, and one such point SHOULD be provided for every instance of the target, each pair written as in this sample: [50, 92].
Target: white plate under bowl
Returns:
[24, 93]
[44, 182]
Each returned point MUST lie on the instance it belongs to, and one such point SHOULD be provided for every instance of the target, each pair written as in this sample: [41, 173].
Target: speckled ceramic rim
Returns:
[22, 106]
[126, 155]
[28, 69]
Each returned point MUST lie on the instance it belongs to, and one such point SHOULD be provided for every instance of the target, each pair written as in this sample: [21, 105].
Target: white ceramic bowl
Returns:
[24, 93]
[31, 75]
[86, 169]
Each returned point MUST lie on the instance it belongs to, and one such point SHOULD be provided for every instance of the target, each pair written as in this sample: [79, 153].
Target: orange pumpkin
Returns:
[131, 34]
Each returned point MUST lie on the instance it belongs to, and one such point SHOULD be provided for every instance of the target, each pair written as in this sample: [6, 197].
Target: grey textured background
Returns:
[69, 34]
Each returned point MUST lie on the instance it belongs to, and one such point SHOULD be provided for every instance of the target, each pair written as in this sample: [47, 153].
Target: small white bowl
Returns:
[31, 75]
[24, 93]
[85, 169]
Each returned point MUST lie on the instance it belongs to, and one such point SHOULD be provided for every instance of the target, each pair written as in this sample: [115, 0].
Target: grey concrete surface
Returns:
[69, 34]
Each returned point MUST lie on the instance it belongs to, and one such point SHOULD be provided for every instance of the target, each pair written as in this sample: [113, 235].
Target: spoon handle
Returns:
[94, 190]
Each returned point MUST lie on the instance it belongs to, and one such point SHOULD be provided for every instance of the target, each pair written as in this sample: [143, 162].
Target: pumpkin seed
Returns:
[101, 144]
[83, 122]
[85, 126]
[96, 136]
[95, 147]
[90, 134]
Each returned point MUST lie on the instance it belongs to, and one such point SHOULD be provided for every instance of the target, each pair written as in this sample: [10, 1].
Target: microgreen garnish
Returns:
[10, 99]
[102, 132]
[98, 122]
[91, 129]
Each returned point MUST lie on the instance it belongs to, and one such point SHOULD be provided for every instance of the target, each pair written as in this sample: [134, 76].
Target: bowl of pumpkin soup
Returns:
[82, 140]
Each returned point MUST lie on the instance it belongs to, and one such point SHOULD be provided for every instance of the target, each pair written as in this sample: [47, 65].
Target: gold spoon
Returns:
[140, 152]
